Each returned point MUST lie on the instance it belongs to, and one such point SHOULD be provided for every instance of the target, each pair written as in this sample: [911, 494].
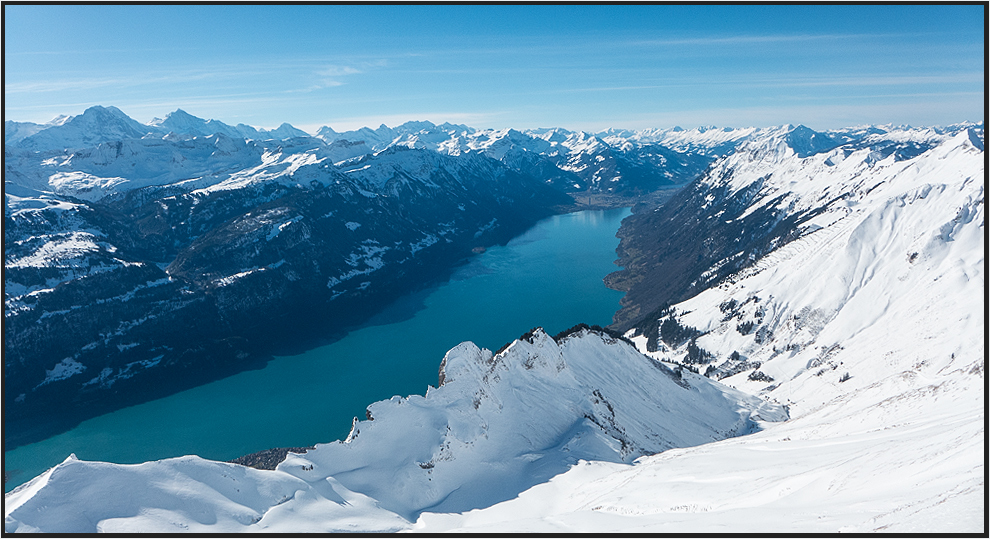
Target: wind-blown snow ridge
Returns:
[506, 421]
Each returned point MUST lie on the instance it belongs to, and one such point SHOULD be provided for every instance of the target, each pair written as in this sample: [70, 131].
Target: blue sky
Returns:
[523, 66]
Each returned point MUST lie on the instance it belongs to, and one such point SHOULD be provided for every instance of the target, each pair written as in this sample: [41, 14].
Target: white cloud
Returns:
[816, 115]
[337, 71]
[777, 38]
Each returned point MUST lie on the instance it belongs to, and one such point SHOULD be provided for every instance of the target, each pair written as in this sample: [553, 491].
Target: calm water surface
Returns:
[550, 276]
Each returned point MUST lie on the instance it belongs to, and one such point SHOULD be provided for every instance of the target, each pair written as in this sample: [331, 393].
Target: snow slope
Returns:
[506, 421]
[871, 329]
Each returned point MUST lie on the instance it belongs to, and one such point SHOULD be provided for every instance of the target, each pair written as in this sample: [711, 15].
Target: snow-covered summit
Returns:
[282, 132]
[186, 125]
[94, 126]
[97, 125]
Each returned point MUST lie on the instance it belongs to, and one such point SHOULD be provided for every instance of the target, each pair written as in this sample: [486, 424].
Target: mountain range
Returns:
[149, 256]
[800, 349]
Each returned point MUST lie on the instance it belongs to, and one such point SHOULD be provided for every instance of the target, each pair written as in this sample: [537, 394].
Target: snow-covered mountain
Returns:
[109, 124]
[183, 124]
[830, 286]
[572, 161]
[889, 225]
[103, 151]
[502, 422]
[95, 125]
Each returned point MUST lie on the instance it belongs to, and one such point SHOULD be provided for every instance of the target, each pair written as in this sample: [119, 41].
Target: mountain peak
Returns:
[178, 116]
[59, 120]
[97, 124]
[179, 113]
[99, 110]
[806, 141]
[415, 125]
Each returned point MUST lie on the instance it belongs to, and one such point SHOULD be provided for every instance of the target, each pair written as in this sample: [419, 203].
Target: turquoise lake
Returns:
[550, 276]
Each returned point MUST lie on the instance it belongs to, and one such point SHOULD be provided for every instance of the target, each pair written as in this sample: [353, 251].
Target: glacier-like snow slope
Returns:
[496, 425]
[870, 327]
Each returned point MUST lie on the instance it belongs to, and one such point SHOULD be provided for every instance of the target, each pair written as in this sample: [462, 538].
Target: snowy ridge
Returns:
[706, 140]
[508, 421]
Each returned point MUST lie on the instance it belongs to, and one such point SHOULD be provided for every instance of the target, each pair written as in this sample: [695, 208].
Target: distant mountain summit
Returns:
[108, 124]
[95, 125]
[182, 123]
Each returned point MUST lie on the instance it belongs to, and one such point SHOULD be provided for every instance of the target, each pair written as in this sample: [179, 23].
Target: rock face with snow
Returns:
[503, 421]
